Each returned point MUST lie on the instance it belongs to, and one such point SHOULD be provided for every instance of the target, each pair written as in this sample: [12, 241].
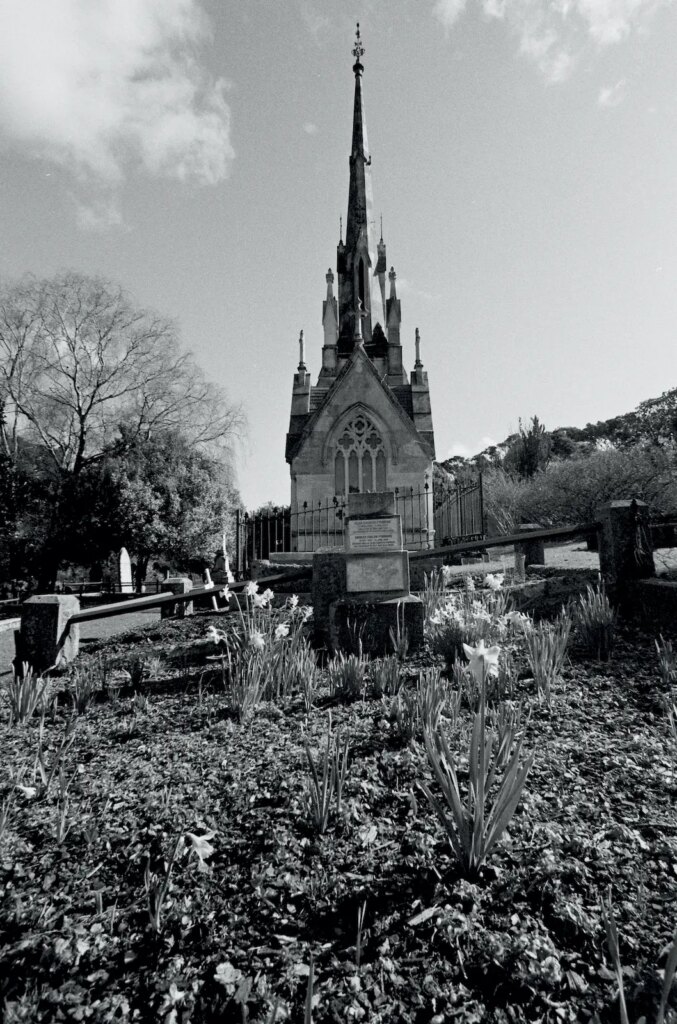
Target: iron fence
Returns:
[459, 516]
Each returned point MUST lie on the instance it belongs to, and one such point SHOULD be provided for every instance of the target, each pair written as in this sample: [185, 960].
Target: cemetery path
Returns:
[98, 629]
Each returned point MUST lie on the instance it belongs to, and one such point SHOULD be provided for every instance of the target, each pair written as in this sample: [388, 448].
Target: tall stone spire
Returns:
[356, 257]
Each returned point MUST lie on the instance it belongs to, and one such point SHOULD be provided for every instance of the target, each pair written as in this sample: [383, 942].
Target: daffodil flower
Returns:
[260, 600]
[483, 660]
[225, 594]
[257, 640]
[251, 588]
[493, 581]
[268, 595]
[282, 630]
[201, 847]
[215, 635]
[293, 601]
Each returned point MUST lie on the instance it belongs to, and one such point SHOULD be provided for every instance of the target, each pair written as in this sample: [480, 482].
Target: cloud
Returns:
[449, 11]
[405, 287]
[611, 95]
[310, 128]
[99, 214]
[553, 33]
[108, 87]
[465, 451]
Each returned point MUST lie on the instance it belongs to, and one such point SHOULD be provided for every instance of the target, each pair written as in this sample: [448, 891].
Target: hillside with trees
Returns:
[563, 476]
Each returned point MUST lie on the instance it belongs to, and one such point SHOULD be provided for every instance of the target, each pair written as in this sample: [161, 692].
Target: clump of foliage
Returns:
[327, 779]
[546, 650]
[347, 676]
[24, 694]
[475, 824]
[385, 676]
[594, 621]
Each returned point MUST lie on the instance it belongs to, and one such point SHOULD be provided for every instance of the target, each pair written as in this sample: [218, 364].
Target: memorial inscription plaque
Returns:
[379, 534]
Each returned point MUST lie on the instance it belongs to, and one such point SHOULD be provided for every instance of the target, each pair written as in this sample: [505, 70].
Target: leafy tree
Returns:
[530, 452]
[172, 501]
[77, 359]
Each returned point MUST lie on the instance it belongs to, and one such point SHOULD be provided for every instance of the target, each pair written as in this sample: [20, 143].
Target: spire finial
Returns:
[381, 227]
[418, 365]
[302, 353]
[358, 49]
[341, 230]
[360, 312]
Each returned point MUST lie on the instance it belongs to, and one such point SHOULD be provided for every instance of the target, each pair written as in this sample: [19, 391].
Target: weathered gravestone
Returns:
[125, 583]
[363, 592]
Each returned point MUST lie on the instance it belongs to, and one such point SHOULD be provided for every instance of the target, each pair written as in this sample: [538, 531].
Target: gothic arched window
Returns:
[360, 459]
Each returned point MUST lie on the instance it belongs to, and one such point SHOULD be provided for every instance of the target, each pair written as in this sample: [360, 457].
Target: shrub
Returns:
[571, 491]
[595, 622]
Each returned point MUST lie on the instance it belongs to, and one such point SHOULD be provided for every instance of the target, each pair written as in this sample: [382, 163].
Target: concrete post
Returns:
[176, 585]
[625, 548]
[533, 550]
[46, 639]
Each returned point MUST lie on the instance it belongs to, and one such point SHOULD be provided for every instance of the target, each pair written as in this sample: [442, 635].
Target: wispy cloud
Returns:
[406, 287]
[111, 88]
[465, 451]
[98, 215]
[553, 33]
[611, 95]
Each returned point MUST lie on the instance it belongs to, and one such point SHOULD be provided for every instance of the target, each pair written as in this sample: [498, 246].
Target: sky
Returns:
[524, 160]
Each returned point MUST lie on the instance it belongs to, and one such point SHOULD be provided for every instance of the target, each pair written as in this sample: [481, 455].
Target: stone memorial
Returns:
[364, 589]
[125, 583]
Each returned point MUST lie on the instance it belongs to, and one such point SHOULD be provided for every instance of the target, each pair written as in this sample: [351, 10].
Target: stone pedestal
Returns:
[176, 585]
[46, 638]
[533, 550]
[359, 593]
[625, 547]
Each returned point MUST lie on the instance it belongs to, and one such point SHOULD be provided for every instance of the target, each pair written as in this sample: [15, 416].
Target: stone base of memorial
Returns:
[363, 593]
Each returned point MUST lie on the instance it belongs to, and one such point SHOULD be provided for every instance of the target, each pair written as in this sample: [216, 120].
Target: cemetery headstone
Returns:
[125, 572]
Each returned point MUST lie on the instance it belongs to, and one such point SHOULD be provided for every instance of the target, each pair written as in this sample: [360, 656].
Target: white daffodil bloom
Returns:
[293, 601]
[251, 588]
[282, 631]
[259, 600]
[483, 660]
[257, 640]
[494, 582]
[27, 791]
[201, 846]
[268, 595]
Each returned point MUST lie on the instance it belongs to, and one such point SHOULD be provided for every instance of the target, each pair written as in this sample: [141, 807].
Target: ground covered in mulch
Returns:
[376, 904]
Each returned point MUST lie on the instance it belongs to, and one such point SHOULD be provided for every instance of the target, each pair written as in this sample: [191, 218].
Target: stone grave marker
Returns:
[125, 572]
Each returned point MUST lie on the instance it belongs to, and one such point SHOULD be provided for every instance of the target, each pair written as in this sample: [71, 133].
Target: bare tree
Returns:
[78, 359]
[85, 375]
